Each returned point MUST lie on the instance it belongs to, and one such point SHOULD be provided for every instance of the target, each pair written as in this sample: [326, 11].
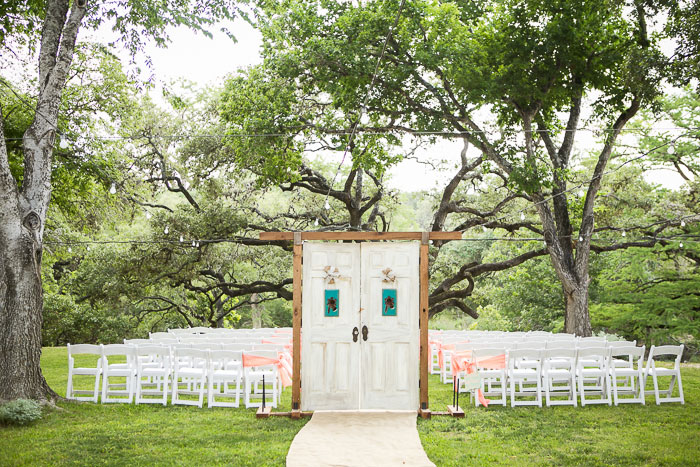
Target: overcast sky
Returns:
[207, 61]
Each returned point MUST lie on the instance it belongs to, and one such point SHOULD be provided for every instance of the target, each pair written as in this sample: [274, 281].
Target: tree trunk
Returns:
[577, 320]
[255, 311]
[21, 301]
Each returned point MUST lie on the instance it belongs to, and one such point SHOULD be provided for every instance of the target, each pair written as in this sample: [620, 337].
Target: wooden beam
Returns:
[423, 280]
[296, 326]
[360, 236]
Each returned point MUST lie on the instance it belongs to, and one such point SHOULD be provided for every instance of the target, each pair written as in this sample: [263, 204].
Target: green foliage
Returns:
[524, 298]
[20, 412]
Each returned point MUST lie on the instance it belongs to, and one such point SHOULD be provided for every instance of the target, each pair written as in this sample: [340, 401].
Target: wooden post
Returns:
[423, 321]
[296, 327]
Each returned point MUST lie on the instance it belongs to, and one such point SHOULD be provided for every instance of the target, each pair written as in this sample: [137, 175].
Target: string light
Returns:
[316, 222]
[148, 214]
[681, 245]
[682, 223]
[624, 234]
[580, 239]
[181, 239]
[63, 144]
[327, 206]
[166, 230]
[194, 243]
[112, 189]
[88, 248]
[522, 216]
[70, 250]
[672, 148]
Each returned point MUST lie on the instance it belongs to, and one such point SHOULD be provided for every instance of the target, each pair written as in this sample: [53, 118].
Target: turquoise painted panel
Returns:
[332, 303]
[389, 302]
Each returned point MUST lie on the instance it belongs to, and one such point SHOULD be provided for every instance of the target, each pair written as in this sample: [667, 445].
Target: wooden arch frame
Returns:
[299, 237]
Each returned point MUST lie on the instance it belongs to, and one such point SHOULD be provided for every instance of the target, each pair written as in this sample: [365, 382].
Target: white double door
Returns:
[366, 357]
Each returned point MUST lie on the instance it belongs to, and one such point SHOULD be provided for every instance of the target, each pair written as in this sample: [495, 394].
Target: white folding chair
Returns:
[592, 367]
[153, 369]
[626, 379]
[525, 369]
[125, 370]
[189, 370]
[96, 371]
[656, 371]
[493, 377]
[559, 375]
[253, 377]
[225, 375]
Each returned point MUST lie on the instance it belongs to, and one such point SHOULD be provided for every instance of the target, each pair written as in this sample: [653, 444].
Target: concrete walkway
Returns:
[358, 439]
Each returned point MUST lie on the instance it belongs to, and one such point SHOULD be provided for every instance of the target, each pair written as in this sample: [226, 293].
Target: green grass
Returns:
[119, 434]
[599, 435]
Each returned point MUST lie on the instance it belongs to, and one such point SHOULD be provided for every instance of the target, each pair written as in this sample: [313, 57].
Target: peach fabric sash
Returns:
[463, 361]
[281, 362]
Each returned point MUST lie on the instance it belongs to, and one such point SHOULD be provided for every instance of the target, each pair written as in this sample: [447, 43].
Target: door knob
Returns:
[355, 332]
[365, 331]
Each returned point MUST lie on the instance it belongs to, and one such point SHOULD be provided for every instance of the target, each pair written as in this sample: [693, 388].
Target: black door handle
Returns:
[355, 332]
[365, 331]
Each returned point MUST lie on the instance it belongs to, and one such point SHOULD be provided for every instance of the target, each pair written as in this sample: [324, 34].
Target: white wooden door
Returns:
[330, 363]
[381, 372]
[390, 355]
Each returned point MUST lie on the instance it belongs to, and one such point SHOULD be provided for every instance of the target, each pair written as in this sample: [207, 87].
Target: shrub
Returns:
[20, 412]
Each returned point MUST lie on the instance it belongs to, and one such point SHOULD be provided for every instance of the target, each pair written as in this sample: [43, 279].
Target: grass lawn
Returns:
[92, 434]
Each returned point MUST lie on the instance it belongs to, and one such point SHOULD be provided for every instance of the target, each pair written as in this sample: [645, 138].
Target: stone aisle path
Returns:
[358, 439]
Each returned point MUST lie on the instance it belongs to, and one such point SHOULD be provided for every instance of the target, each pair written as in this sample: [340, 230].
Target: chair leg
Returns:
[165, 390]
[680, 388]
[656, 388]
[96, 390]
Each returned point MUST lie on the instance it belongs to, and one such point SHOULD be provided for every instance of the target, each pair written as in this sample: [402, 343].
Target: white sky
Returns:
[206, 61]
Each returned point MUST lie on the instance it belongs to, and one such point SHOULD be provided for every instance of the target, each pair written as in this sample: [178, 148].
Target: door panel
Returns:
[389, 376]
[330, 358]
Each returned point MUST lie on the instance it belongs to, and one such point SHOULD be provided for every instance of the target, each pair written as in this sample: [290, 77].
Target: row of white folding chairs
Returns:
[445, 370]
[214, 344]
[610, 373]
[154, 370]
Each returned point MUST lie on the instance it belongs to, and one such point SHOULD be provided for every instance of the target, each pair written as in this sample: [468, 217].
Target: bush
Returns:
[20, 412]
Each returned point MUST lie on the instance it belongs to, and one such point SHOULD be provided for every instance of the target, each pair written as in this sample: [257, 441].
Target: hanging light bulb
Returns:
[181, 239]
[580, 239]
[580, 193]
[64, 142]
[148, 214]
[70, 250]
[166, 230]
[522, 216]
[484, 227]
[624, 234]
[672, 148]
[88, 248]
[194, 243]
[112, 189]
[681, 245]
[316, 222]
[682, 223]
[197, 243]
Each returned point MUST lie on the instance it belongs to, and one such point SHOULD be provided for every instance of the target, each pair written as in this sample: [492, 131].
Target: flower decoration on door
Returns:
[388, 275]
[331, 274]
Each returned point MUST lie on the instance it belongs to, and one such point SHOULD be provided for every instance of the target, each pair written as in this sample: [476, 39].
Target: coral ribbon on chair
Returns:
[280, 362]
[462, 361]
